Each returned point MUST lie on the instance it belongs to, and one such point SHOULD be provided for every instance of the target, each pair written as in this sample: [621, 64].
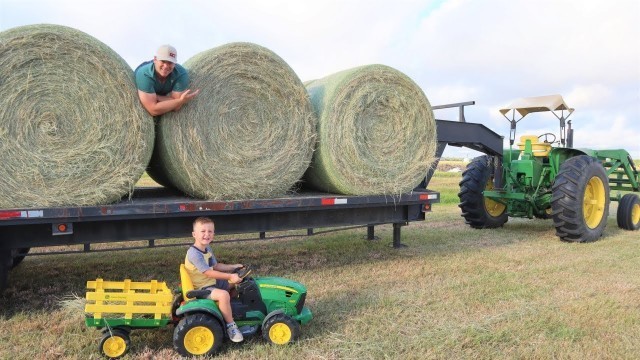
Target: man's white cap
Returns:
[167, 53]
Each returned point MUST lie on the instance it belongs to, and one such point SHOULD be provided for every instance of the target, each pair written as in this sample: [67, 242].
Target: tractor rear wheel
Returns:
[629, 212]
[478, 211]
[580, 200]
[198, 334]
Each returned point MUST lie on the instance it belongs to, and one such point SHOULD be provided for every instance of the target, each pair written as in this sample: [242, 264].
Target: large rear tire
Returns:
[580, 200]
[478, 211]
[628, 215]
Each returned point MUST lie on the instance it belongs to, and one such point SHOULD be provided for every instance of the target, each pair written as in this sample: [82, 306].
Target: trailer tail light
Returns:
[428, 196]
[62, 229]
[426, 208]
[333, 201]
[15, 214]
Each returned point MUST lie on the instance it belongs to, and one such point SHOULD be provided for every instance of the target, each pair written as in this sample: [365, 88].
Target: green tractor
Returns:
[545, 177]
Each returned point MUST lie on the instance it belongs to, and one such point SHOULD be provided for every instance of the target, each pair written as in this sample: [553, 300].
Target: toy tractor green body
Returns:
[548, 179]
[272, 305]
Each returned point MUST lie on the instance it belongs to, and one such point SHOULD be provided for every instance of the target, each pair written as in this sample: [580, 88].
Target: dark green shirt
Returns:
[147, 81]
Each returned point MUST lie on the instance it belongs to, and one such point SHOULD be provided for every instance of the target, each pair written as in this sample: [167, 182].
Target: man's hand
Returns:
[187, 95]
[158, 105]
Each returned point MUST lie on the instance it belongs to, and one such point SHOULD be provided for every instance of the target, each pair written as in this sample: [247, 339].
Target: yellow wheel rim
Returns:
[114, 346]
[280, 333]
[635, 214]
[198, 340]
[493, 207]
[594, 201]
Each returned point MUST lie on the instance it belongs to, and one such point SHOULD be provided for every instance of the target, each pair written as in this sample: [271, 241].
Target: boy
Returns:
[207, 273]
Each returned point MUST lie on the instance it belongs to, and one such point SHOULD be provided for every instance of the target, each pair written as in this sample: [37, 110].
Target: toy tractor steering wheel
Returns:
[546, 135]
[243, 272]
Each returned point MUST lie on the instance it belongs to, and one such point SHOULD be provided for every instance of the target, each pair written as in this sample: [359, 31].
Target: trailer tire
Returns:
[480, 212]
[18, 255]
[628, 214]
[580, 200]
[5, 264]
[198, 334]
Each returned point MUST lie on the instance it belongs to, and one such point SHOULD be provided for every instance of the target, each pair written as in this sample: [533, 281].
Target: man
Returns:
[162, 83]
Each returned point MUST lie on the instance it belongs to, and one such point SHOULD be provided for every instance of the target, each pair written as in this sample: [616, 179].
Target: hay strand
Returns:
[248, 134]
[72, 131]
[376, 132]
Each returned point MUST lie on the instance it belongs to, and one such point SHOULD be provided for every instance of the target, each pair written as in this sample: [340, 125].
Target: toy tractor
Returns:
[271, 304]
[546, 178]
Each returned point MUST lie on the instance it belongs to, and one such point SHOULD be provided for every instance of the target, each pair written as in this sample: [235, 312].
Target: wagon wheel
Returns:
[115, 343]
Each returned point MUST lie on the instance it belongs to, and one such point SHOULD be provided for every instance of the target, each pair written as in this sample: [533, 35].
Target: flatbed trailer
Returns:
[160, 213]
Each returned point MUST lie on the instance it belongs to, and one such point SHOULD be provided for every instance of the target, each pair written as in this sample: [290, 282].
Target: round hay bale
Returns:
[376, 132]
[248, 134]
[72, 130]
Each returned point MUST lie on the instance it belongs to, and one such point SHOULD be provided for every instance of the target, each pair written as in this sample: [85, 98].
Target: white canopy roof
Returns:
[528, 105]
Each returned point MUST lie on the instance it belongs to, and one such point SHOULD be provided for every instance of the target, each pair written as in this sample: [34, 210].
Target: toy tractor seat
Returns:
[185, 281]
[539, 149]
[188, 292]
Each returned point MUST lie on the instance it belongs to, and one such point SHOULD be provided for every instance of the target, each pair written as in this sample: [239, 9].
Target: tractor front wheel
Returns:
[478, 211]
[198, 334]
[580, 200]
[629, 212]
[280, 329]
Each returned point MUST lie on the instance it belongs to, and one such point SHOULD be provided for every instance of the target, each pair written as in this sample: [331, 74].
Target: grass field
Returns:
[452, 293]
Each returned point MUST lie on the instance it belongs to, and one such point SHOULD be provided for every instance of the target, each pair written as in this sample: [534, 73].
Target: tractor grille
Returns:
[300, 303]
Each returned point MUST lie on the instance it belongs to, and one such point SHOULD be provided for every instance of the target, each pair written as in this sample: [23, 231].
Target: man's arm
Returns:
[158, 105]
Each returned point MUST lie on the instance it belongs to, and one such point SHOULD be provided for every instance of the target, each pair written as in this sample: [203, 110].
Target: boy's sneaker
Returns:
[234, 333]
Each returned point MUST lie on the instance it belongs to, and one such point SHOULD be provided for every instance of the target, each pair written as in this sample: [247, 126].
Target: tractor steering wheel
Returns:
[546, 135]
[243, 272]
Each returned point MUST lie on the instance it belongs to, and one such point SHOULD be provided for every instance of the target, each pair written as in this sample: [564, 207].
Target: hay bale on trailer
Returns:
[248, 134]
[72, 131]
[376, 132]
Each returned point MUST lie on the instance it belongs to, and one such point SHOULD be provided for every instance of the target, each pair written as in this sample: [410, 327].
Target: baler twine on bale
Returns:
[376, 132]
[248, 134]
[72, 130]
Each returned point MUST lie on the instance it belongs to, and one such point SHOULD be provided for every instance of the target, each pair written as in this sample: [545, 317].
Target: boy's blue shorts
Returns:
[220, 284]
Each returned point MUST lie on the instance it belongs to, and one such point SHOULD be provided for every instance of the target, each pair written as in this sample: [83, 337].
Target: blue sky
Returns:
[489, 51]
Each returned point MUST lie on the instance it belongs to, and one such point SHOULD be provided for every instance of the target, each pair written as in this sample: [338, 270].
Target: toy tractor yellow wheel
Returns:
[281, 329]
[115, 343]
[198, 334]
[628, 215]
[580, 199]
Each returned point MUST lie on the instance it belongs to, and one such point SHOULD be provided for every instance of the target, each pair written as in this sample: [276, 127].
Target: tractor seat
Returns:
[185, 281]
[539, 149]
